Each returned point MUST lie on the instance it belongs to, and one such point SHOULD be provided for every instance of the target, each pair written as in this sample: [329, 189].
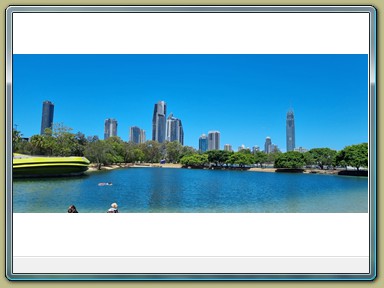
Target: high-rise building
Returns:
[268, 145]
[290, 127]
[203, 143]
[47, 116]
[136, 135]
[110, 128]
[174, 130]
[213, 140]
[228, 147]
[159, 122]
[255, 149]
[143, 137]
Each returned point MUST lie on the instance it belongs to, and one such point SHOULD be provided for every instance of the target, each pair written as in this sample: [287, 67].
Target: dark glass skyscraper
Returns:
[136, 135]
[203, 143]
[268, 145]
[47, 116]
[290, 126]
[110, 128]
[159, 122]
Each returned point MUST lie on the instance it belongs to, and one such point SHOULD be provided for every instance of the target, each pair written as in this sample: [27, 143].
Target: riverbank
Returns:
[93, 167]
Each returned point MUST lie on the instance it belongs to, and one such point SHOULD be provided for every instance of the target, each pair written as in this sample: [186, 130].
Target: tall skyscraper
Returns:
[159, 122]
[47, 116]
[268, 145]
[203, 143]
[174, 130]
[290, 128]
[213, 140]
[110, 128]
[136, 135]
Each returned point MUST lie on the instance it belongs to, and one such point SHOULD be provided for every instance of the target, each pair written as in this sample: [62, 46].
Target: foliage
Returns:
[218, 157]
[354, 155]
[196, 160]
[260, 158]
[16, 139]
[173, 151]
[321, 157]
[151, 150]
[96, 152]
[60, 141]
[291, 159]
[240, 158]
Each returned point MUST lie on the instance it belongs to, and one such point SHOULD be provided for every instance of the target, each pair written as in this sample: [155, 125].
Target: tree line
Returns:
[60, 141]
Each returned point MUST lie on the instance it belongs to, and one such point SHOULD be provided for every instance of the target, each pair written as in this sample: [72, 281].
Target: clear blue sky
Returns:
[245, 97]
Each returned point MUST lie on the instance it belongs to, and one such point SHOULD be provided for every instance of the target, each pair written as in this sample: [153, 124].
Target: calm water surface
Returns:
[185, 190]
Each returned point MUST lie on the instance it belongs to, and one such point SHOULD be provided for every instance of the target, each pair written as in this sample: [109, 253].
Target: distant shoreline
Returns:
[93, 167]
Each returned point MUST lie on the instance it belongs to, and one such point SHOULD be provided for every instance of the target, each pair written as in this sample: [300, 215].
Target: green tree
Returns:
[322, 156]
[195, 160]
[187, 151]
[173, 151]
[151, 150]
[38, 145]
[260, 158]
[218, 157]
[241, 158]
[116, 152]
[354, 155]
[96, 152]
[291, 159]
[16, 140]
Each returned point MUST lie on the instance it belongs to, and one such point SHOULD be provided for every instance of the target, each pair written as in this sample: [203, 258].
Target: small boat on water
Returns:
[36, 166]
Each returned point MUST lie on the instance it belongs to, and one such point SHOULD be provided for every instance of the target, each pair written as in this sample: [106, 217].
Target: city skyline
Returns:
[245, 97]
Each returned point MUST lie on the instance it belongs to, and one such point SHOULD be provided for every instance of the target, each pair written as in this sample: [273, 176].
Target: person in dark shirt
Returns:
[72, 209]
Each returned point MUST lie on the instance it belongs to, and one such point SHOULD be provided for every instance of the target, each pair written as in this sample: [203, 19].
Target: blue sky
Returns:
[245, 97]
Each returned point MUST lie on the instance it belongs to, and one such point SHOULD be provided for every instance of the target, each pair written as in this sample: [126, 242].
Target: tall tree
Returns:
[322, 156]
[354, 155]
[291, 159]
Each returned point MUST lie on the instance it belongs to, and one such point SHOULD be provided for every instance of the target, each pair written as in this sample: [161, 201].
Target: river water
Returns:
[141, 190]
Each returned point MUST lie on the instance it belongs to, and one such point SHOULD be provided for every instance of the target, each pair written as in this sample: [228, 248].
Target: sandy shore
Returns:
[93, 167]
[306, 171]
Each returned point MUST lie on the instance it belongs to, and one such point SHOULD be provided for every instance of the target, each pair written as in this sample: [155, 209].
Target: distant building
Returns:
[213, 140]
[47, 116]
[255, 149]
[136, 135]
[143, 137]
[159, 122]
[268, 145]
[110, 128]
[301, 150]
[174, 130]
[290, 129]
[228, 147]
[274, 148]
[242, 147]
[203, 143]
